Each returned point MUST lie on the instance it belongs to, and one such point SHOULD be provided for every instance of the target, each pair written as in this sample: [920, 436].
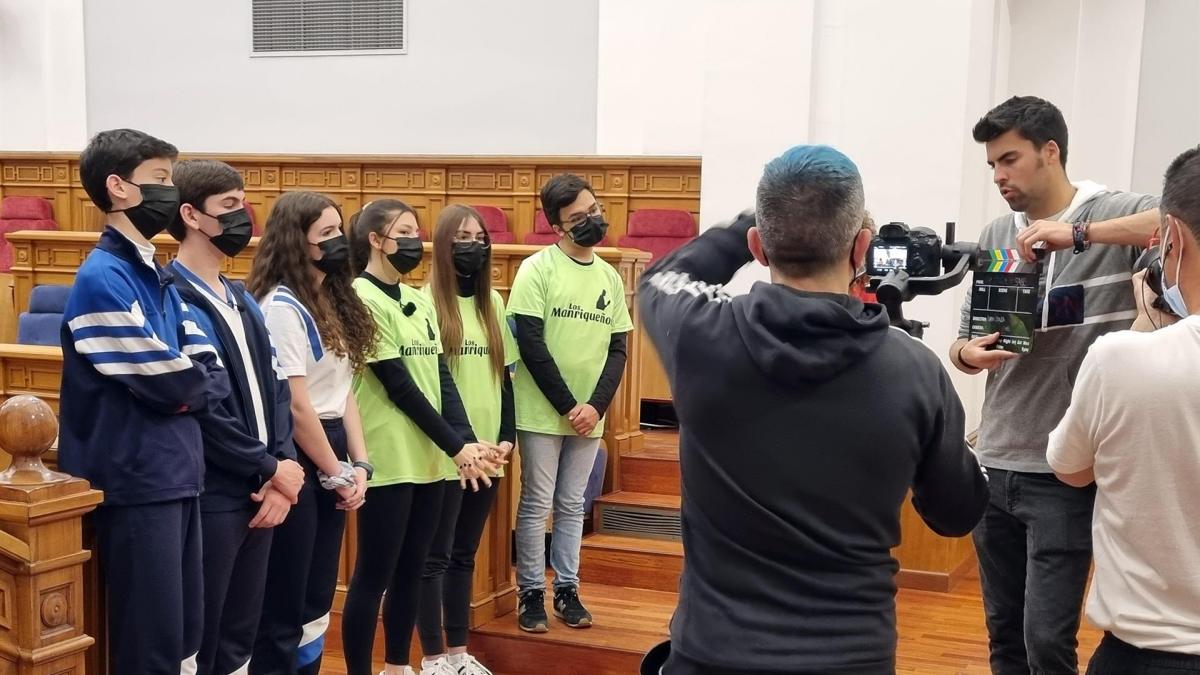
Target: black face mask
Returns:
[469, 257]
[408, 254]
[236, 231]
[159, 208]
[590, 232]
[335, 255]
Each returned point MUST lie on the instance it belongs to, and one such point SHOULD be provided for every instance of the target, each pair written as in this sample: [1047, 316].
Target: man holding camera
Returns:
[1034, 542]
[1132, 428]
[792, 481]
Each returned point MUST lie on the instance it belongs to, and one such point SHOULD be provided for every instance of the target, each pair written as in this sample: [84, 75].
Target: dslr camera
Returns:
[1151, 261]
[898, 247]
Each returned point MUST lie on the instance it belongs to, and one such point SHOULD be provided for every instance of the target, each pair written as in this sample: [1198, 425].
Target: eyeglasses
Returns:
[465, 238]
[578, 218]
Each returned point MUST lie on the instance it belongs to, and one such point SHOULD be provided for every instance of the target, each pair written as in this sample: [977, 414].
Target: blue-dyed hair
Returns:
[809, 208]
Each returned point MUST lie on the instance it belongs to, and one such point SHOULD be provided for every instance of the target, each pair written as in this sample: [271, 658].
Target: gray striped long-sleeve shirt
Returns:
[1027, 396]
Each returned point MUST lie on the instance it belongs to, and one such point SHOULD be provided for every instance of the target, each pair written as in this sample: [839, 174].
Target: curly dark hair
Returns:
[343, 321]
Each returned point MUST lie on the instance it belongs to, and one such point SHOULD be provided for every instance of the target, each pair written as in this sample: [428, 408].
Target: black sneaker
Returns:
[568, 608]
[531, 614]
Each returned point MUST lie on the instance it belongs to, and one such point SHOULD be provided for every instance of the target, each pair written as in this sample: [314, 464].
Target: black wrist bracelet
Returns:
[1079, 233]
[366, 466]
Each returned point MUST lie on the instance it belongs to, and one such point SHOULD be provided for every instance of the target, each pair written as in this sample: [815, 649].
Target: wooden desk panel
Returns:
[427, 182]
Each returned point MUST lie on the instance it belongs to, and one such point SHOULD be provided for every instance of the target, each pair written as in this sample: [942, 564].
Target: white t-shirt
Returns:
[232, 318]
[1134, 419]
[299, 351]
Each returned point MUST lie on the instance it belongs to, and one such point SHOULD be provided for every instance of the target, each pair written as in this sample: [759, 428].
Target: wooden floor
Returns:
[940, 633]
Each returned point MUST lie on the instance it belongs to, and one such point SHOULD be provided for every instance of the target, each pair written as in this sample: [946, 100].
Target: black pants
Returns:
[1115, 657]
[395, 528]
[446, 582]
[678, 664]
[302, 577]
[1035, 547]
[235, 572]
[150, 555]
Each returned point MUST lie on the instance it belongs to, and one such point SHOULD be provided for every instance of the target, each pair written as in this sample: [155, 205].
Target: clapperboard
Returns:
[1004, 299]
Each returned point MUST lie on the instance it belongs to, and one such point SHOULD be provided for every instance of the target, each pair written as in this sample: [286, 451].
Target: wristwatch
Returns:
[365, 466]
[1079, 232]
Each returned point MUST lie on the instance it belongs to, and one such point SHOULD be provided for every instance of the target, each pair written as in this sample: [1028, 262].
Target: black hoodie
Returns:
[804, 420]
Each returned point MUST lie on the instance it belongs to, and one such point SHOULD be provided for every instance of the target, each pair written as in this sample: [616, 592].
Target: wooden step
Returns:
[628, 622]
[650, 471]
[638, 514]
[633, 562]
[648, 500]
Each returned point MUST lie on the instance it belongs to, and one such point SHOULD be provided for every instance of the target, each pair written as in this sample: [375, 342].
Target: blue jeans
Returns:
[1035, 548]
[554, 475]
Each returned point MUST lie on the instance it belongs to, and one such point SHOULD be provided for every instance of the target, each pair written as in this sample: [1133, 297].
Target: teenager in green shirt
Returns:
[416, 432]
[572, 321]
[479, 347]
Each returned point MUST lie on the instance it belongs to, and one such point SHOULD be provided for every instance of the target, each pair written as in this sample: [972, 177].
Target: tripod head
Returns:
[897, 286]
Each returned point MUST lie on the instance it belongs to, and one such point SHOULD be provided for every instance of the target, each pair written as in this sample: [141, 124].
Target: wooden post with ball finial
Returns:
[41, 552]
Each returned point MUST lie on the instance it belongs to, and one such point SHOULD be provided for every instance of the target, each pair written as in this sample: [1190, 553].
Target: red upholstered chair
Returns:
[544, 234]
[659, 231]
[22, 213]
[495, 221]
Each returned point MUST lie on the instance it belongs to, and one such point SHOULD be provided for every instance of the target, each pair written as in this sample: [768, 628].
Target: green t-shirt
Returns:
[472, 371]
[581, 306]
[396, 446]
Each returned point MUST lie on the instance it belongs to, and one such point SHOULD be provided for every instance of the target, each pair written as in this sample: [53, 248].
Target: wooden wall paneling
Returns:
[31, 369]
[84, 215]
[624, 184]
[615, 196]
[262, 187]
[39, 177]
[483, 185]
[421, 204]
[655, 385]
[340, 182]
[435, 178]
[667, 188]
[524, 201]
[419, 187]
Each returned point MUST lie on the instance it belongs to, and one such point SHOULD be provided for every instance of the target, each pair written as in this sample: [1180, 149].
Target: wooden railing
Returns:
[42, 596]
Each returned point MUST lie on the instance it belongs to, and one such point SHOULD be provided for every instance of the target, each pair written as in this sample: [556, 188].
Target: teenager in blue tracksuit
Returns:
[136, 371]
[252, 477]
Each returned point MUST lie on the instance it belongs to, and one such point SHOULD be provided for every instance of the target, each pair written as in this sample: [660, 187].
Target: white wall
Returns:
[480, 77]
[650, 83]
[1168, 113]
[898, 87]
[42, 103]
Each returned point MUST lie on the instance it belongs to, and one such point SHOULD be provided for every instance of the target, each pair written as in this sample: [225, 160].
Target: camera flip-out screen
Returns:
[889, 257]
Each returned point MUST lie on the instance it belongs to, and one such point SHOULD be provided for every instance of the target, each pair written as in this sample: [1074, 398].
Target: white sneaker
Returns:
[469, 666]
[407, 671]
[439, 667]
